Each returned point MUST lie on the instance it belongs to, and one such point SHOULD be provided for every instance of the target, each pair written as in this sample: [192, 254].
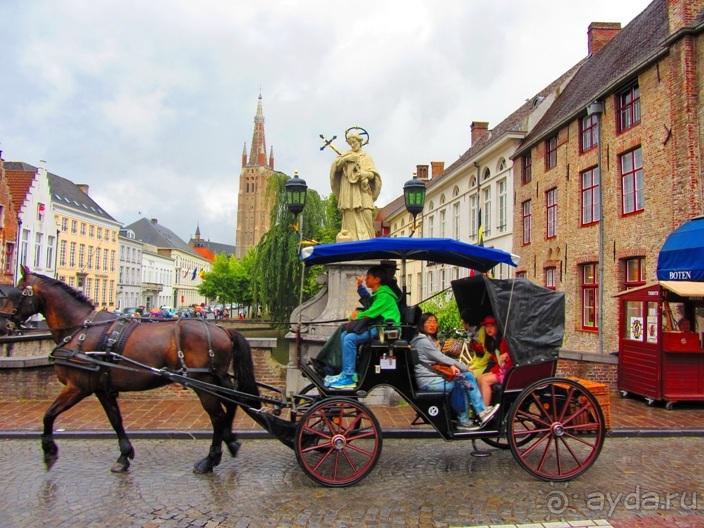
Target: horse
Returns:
[196, 348]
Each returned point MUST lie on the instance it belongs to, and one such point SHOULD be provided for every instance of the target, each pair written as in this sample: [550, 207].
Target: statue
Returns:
[356, 184]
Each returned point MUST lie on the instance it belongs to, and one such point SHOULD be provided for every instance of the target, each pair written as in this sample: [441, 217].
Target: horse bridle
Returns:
[19, 299]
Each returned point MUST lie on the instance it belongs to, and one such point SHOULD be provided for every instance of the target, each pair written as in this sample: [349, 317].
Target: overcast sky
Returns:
[151, 102]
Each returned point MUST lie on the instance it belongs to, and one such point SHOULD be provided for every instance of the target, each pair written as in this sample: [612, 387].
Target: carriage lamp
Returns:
[414, 197]
[296, 190]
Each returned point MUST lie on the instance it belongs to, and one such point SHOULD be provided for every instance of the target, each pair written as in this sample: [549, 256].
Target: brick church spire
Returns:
[257, 153]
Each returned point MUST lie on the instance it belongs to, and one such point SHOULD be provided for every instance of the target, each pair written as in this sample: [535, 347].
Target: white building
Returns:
[129, 277]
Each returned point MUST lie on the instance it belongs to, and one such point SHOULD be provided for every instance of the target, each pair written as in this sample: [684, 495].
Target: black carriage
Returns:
[553, 426]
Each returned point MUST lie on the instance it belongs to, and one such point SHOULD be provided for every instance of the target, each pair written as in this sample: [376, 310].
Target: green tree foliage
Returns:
[276, 274]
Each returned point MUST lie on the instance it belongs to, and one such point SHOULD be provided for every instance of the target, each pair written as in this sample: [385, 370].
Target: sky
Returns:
[151, 103]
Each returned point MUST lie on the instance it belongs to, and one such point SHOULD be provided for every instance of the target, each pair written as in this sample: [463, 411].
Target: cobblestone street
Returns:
[636, 482]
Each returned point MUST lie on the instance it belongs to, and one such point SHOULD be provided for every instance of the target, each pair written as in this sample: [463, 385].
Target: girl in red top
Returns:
[495, 345]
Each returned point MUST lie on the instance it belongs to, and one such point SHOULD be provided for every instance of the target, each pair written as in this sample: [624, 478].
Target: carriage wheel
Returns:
[338, 442]
[556, 429]
[501, 441]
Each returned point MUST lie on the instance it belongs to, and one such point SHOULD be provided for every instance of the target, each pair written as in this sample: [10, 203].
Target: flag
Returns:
[202, 274]
[480, 229]
[185, 273]
[195, 271]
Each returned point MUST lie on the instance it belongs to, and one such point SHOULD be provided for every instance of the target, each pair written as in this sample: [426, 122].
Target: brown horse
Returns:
[195, 348]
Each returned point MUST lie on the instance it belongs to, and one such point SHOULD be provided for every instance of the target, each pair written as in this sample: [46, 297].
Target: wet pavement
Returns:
[636, 482]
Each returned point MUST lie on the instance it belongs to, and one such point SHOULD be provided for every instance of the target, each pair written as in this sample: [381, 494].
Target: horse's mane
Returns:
[78, 295]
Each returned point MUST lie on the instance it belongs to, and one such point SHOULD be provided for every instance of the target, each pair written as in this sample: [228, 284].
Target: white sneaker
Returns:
[487, 414]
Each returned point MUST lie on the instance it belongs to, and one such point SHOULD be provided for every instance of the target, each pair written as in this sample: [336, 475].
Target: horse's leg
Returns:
[108, 400]
[70, 395]
[219, 419]
[230, 439]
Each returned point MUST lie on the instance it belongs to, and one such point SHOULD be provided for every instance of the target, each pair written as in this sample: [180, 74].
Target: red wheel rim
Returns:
[564, 426]
[338, 442]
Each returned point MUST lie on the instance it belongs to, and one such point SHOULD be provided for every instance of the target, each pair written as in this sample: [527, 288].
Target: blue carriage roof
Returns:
[682, 255]
[441, 250]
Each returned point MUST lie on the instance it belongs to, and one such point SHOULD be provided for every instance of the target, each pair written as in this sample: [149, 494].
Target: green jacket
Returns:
[384, 305]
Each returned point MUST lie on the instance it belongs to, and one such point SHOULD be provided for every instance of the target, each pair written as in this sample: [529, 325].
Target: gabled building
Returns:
[208, 249]
[253, 206]
[613, 167]
[37, 225]
[8, 234]
[188, 264]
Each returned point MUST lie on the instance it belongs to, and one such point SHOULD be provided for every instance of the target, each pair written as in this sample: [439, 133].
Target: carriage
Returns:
[554, 427]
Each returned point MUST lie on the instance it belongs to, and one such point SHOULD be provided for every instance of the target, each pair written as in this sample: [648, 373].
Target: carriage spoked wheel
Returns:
[338, 442]
[564, 427]
[501, 441]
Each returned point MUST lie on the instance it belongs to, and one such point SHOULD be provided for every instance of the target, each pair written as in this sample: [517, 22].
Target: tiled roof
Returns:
[19, 183]
[157, 235]
[213, 247]
[64, 191]
[615, 64]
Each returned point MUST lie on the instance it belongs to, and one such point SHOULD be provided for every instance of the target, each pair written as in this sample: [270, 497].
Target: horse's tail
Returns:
[243, 367]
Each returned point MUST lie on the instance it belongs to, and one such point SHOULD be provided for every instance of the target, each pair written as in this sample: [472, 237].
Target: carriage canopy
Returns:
[531, 318]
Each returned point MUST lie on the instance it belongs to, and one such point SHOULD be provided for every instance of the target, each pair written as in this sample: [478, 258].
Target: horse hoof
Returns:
[233, 447]
[49, 461]
[119, 467]
[203, 467]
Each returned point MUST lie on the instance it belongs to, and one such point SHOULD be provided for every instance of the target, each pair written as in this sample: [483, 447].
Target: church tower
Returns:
[252, 206]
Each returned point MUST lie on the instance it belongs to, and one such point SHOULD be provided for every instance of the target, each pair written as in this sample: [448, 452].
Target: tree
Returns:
[276, 275]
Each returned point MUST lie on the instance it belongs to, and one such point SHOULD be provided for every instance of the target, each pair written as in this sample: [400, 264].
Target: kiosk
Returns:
[661, 325]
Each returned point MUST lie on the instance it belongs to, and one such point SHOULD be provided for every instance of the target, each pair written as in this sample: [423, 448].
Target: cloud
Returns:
[151, 103]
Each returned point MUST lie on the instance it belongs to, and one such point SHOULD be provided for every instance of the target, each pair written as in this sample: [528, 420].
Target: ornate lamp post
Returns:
[296, 190]
[414, 198]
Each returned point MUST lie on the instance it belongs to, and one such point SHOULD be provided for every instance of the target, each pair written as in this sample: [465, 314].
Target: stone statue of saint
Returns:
[356, 184]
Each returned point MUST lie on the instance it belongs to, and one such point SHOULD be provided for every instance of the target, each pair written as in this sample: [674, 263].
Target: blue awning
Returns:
[682, 256]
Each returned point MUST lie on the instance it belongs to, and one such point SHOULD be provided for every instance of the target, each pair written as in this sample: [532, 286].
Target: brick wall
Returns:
[39, 382]
[601, 372]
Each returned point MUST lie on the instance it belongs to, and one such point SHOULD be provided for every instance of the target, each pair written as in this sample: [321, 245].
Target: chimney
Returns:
[83, 187]
[438, 167]
[479, 130]
[154, 221]
[422, 172]
[600, 33]
[244, 154]
[680, 14]
[271, 157]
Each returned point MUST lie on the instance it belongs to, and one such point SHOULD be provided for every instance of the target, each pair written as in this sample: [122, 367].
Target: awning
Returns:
[682, 255]
[684, 288]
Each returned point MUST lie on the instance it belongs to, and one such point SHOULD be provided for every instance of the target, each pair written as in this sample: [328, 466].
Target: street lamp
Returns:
[414, 198]
[595, 108]
[296, 190]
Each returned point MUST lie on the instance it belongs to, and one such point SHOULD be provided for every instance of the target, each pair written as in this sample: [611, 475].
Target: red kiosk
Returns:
[661, 325]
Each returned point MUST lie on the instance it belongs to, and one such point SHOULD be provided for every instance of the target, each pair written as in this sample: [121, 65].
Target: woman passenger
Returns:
[495, 346]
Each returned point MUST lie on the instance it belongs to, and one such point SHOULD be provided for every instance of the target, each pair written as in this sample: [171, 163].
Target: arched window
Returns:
[472, 182]
[455, 191]
[442, 198]
[502, 165]
[432, 205]
[487, 174]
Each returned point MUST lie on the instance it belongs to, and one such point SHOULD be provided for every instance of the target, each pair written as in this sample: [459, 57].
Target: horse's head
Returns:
[18, 303]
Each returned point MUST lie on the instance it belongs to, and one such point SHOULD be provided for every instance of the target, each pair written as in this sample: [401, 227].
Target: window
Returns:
[442, 223]
[105, 260]
[632, 184]
[521, 275]
[487, 174]
[72, 255]
[502, 165]
[589, 132]
[591, 208]
[96, 291]
[83, 229]
[24, 242]
[62, 254]
[74, 226]
[551, 210]
[590, 292]
[9, 256]
[100, 233]
[64, 224]
[50, 241]
[431, 226]
[88, 287]
[628, 108]
[90, 257]
[551, 278]
[455, 222]
[38, 250]
[527, 165]
[473, 215]
[112, 260]
[486, 212]
[503, 206]
[41, 209]
[551, 153]
[635, 272]
[527, 217]
[81, 255]
[97, 259]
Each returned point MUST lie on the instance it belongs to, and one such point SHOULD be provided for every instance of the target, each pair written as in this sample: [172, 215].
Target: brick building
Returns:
[8, 233]
[608, 184]
[253, 206]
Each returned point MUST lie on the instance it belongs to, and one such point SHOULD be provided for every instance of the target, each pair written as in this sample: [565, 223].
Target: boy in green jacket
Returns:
[384, 306]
